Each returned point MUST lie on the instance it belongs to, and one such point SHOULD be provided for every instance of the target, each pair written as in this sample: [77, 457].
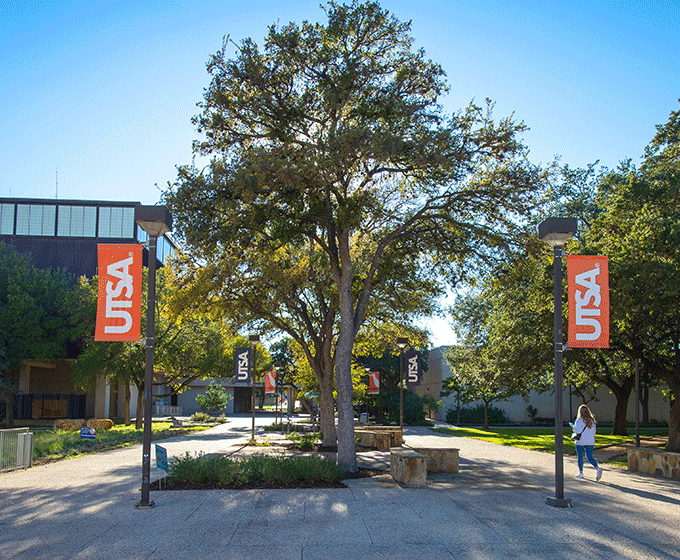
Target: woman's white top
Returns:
[588, 435]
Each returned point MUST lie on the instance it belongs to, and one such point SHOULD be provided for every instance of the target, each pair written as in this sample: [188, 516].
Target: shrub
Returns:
[214, 400]
[254, 471]
[200, 417]
[475, 415]
[414, 407]
[305, 441]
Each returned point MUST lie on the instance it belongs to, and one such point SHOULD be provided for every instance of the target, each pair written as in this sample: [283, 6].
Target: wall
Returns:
[603, 406]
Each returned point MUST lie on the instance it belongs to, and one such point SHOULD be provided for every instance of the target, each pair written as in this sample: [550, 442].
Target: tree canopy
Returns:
[331, 137]
[35, 308]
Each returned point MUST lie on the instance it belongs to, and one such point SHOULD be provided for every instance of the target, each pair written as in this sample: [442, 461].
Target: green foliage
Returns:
[475, 415]
[338, 190]
[35, 311]
[201, 417]
[256, 471]
[304, 441]
[214, 400]
[415, 408]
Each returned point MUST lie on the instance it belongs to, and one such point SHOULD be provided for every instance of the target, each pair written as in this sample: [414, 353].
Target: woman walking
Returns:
[584, 438]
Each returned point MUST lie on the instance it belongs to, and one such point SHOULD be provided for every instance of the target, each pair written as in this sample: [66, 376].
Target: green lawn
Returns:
[540, 439]
[50, 445]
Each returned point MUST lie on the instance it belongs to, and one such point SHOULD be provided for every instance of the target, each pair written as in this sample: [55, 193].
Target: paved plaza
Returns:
[494, 508]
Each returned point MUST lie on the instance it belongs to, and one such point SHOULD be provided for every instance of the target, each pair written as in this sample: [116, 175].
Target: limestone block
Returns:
[68, 424]
[364, 438]
[408, 467]
[100, 423]
[382, 441]
[440, 459]
[655, 462]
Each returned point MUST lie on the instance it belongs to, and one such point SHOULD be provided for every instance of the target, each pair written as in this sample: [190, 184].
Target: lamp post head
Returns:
[402, 342]
[254, 338]
[154, 220]
[557, 231]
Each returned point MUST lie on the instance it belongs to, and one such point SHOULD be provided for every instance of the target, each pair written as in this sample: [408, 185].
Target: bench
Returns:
[375, 439]
[440, 459]
[379, 437]
[408, 467]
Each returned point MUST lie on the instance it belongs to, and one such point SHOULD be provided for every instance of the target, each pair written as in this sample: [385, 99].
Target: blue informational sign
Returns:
[88, 433]
[161, 457]
[242, 358]
[414, 372]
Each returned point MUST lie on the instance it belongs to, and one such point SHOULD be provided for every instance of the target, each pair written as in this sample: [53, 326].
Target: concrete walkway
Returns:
[83, 508]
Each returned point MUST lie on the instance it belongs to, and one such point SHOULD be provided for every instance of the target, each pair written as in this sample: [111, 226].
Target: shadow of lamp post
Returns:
[155, 221]
[556, 232]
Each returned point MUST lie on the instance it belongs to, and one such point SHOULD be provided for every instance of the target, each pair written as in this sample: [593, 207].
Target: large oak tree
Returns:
[331, 136]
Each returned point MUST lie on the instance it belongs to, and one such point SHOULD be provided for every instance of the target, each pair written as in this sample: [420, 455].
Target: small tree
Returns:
[214, 400]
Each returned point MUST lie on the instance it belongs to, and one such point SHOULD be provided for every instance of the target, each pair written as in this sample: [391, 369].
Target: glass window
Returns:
[77, 221]
[6, 219]
[116, 221]
[36, 219]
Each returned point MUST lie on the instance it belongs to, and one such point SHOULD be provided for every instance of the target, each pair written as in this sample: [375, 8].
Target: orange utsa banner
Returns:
[269, 382]
[374, 383]
[588, 282]
[119, 297]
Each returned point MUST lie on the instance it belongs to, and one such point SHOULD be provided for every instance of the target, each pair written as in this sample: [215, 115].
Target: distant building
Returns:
[603, 406]
[63, 234]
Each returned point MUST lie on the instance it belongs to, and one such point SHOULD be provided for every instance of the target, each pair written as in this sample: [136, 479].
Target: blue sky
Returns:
[98, 96]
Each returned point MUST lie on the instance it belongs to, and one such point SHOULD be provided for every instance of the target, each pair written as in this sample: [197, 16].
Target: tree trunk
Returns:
[327, 411]
[486, 415]
[9, 410]
[128, 419]
[622, 393]
[343, 376]
[343, 373]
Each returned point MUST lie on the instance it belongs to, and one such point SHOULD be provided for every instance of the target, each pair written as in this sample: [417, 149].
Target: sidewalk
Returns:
[495, 508]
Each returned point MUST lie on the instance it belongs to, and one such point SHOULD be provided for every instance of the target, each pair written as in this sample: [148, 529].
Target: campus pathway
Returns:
[83, 508]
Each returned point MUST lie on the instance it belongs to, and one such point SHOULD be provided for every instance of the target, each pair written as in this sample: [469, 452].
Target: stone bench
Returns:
[396, 434]
[655, 462]
[440, 459]
[408, 467]
[396, 438]
[374, 439]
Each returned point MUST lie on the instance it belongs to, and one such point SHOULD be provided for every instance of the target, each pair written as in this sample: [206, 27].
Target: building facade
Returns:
[63, 235]
[603, 406]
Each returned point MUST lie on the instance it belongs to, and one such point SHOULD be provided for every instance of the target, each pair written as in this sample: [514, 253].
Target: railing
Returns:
[44, 405]
[16, 449]
[166, 410]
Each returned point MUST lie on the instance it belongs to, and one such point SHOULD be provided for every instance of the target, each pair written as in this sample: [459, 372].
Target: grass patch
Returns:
[52, 445]
[255, 471]
[539, 439]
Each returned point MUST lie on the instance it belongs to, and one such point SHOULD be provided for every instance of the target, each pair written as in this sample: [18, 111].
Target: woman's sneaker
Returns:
[598, 476]
[579, 475]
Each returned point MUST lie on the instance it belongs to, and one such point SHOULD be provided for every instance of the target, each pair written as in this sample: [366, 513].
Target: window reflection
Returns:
[6, 219]
[36, 219]
[77, 221]
[116, 221]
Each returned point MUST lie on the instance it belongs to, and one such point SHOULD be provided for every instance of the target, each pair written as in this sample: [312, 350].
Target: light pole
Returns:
[254, 339]
[155, 221]
[555, 232]
[402, 342]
